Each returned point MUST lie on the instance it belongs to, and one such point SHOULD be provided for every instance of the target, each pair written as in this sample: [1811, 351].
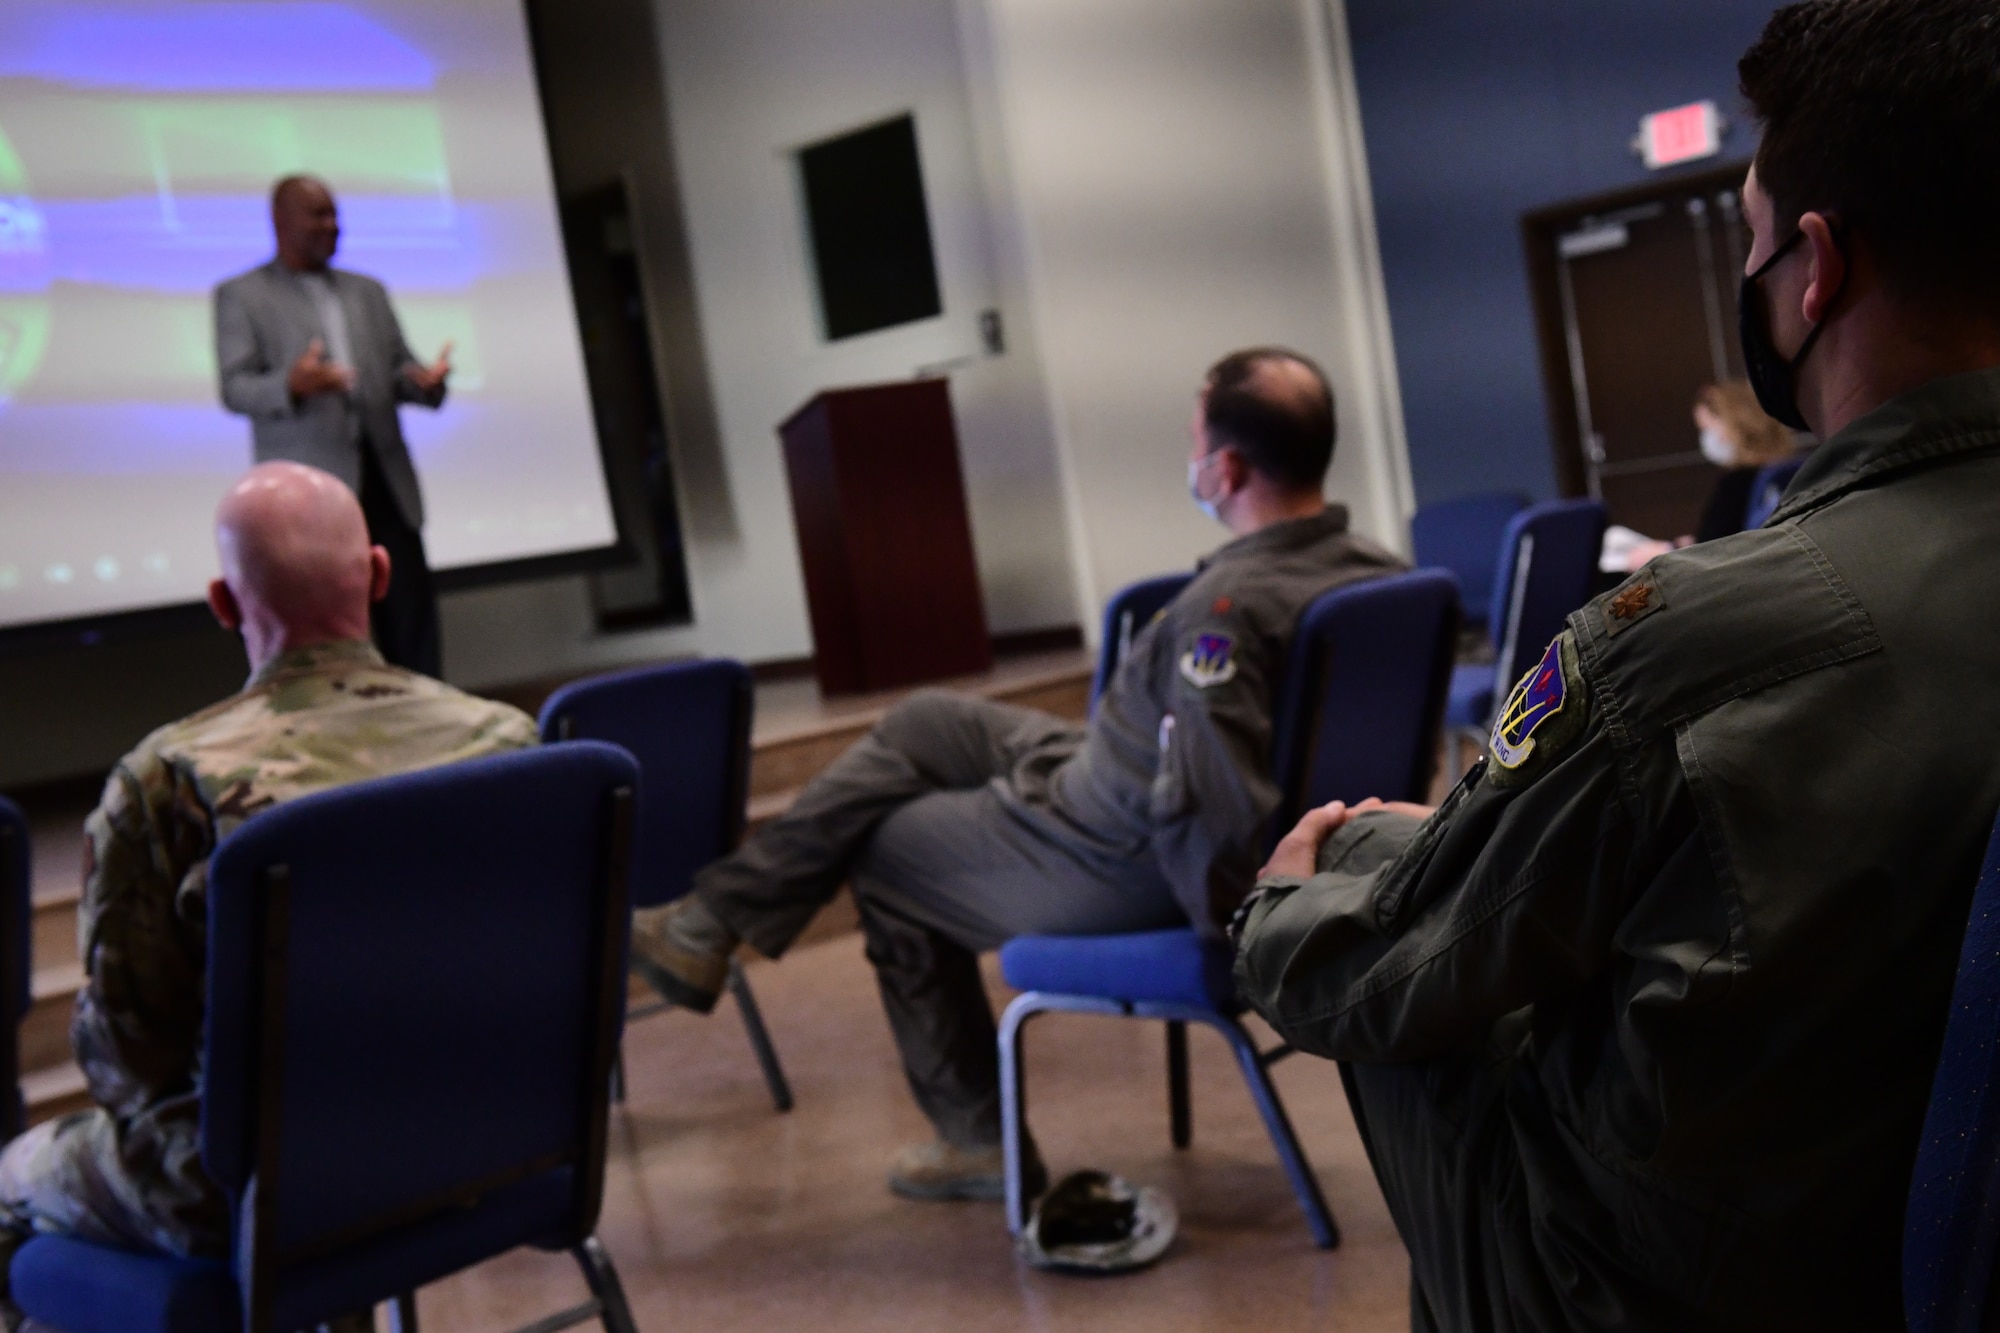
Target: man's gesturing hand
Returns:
[429, 379]
[313, 374]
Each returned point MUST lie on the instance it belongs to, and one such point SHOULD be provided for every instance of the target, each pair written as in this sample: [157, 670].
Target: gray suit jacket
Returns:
[264, 321]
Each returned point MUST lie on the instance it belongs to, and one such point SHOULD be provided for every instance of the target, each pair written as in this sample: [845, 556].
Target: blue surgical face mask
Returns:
[1717, 449]
[1196, 467]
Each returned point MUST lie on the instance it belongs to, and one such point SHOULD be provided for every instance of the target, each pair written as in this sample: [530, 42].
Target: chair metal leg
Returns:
[1180, 1109]
[602, 1276]
[760, 1038]
[403, 1313]
[1304, 1184]
[1013, 1109]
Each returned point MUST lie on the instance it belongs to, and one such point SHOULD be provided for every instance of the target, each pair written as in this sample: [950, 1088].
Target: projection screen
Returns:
[138, 143]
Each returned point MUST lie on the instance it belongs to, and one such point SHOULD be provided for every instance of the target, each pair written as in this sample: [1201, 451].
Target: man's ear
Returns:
[378, 573]
[1829, 268]
[1236, 468]
[222, 605]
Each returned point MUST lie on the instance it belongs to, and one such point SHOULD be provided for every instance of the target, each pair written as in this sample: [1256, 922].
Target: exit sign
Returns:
[1682, 134]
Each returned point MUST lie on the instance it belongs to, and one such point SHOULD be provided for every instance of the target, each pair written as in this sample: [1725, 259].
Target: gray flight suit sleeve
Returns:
[1416, 937]
[251, 385]
[1213, 791]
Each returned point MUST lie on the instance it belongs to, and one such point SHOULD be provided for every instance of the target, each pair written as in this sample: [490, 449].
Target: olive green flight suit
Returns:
[962, 822]
[128, 1171]
[1641, 1025]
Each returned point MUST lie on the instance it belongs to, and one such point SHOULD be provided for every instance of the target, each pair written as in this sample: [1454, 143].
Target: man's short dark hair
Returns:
[1885, 114]
[1284, 430]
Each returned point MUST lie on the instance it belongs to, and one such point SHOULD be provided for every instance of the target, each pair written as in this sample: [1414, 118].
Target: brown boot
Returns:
[682, 950]
[941, 1170]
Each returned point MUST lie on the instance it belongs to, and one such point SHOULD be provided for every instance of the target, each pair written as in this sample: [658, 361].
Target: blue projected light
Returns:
[207, 47]
[139, 140]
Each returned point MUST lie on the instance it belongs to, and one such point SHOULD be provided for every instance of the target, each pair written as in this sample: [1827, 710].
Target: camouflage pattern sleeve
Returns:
[137, 1027]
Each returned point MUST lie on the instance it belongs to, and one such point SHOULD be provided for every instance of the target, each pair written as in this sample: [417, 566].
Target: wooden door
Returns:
[1636, 297]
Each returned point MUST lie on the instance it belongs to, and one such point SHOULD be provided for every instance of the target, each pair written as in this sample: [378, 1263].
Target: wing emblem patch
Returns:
[1533, 702]
[1212, 661]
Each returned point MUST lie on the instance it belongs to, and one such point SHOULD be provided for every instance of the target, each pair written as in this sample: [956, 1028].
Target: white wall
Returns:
[1138, 185]
[750, 81]
[1182, 186]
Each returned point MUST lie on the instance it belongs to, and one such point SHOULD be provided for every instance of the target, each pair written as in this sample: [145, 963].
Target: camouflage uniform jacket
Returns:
[314, 718]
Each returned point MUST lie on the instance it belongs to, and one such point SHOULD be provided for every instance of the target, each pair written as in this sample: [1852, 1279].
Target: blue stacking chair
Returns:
[1357, 716]
[16, 962]
[1767, 490]
[1130, 610]
[415, 988]
[1951, 1233]
[688, 725]
[1464, 536]
[1547, 567]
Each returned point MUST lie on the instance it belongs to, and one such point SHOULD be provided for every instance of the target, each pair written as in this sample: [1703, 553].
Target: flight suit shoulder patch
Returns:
[1704, 625]
[1210, 660]
[1541, 716]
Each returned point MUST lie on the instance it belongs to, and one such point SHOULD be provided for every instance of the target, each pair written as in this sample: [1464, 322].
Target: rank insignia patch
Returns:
[1639, 598]
[1211, 661]
[1538, 698]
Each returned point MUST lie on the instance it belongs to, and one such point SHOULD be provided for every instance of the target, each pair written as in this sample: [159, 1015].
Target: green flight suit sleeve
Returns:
[137, 1026]
[1415, 938]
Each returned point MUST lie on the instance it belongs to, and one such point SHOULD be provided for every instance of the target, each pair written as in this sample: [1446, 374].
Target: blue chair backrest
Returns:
[1130, 610]
[688, 725]
[1951, 1235]
[1364, 692]
[415, 990]
[1767, 490]
[1548, 568]
[16, 950]
[1464, 536]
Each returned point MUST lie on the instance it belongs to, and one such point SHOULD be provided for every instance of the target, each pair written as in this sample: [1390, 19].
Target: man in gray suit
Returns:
[314, 357]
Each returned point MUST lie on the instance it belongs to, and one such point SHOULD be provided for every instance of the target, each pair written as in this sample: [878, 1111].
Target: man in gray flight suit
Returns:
[962, 822]
[1640, 1025]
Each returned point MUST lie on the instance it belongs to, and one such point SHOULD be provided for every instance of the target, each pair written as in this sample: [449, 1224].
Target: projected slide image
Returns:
[138, 143]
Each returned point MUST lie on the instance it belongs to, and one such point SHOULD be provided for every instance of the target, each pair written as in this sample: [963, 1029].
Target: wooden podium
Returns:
[879, 502]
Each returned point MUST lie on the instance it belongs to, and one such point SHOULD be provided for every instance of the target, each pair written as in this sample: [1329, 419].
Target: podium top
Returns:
[928, 385]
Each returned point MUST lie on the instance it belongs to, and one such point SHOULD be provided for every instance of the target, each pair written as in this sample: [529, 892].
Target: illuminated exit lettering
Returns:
[1682, 134]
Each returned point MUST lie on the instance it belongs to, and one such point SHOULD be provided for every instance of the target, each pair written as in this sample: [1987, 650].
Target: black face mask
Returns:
[1774, 379]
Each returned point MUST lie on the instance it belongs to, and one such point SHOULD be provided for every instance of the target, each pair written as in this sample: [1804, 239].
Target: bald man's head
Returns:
[306, 222]
[1276, 408]
[297, 565]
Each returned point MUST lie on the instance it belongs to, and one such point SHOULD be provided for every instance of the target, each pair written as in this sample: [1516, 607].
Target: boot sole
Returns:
[674, 990]
[980, 1189]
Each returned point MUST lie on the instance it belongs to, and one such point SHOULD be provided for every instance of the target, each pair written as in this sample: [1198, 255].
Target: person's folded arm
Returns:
[1417, 944]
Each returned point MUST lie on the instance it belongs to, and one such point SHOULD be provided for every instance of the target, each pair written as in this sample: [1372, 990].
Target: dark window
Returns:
[871, 234]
